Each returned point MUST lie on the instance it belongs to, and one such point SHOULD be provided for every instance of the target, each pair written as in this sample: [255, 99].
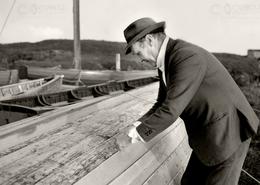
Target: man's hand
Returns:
[123, 140]
[127, 137]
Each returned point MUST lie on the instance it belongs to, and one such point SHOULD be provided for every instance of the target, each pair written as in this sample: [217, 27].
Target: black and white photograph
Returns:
[140, 92]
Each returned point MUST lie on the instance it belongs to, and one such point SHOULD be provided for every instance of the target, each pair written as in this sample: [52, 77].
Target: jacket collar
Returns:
[161, 56]
[171, 48]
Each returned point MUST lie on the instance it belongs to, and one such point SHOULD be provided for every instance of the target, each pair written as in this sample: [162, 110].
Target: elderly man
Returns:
[195, 86]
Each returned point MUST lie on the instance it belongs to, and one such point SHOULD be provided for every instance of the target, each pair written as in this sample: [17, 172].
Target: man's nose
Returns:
[144, 60]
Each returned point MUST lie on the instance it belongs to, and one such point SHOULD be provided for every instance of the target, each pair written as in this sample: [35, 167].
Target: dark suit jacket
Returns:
[200, 90]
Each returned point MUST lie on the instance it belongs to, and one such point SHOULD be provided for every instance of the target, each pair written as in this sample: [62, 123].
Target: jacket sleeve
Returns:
[160, 98]
[186, 76]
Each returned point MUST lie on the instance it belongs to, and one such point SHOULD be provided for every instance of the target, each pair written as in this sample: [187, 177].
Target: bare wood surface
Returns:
[172, 167]
[76, 144]
[127, 165]
[65, 145]
[147, 164]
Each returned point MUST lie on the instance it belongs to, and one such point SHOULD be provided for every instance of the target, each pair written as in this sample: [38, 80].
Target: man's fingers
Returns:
[135, 140]
[123, 141]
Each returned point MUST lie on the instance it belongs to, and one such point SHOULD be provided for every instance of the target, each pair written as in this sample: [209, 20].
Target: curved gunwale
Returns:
[29, 88]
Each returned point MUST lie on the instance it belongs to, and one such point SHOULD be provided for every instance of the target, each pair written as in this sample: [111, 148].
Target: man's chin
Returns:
[151, 62]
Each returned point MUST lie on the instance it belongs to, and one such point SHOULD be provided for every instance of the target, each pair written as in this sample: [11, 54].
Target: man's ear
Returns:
[149, 39]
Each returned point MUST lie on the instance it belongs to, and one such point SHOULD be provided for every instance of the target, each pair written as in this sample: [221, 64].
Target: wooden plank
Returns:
[86, 162]
[67, 147]
[177, 178]
[81, 165]
[80, 117]
[149, 92]
[20, 161]
[47, 117]
[172, 167]
[138, 172]
[54, 150]
[49, 171]
[124, 161]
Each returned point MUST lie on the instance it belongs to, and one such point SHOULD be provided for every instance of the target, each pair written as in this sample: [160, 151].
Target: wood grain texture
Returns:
[62, 146]
[122, 165]
[172, 167]
[74, 144]
[147, 164]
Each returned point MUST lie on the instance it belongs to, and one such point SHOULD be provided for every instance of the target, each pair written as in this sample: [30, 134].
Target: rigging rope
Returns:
[8, 15]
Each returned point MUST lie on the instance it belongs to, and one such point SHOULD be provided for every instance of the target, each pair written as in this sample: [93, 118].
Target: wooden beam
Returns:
[76, 26]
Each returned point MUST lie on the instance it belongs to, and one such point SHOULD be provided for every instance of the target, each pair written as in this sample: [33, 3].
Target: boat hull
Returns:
[161, 161]
[89, 77]
[76, 144]
[30, 88]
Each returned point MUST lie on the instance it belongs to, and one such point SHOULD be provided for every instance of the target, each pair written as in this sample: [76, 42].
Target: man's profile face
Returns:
[143, 50]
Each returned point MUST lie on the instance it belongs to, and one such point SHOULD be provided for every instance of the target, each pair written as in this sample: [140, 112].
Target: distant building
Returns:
[254, 53]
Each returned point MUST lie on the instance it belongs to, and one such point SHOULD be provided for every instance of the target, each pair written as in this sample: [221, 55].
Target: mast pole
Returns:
[76, 26]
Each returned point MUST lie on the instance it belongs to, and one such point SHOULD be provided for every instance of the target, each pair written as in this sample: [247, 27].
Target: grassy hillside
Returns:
[96, 55]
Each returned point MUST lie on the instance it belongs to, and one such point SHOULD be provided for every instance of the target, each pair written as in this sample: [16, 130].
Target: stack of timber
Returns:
[77, 144]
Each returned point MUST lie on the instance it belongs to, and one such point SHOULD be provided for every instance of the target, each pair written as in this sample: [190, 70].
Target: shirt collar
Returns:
[161, 55]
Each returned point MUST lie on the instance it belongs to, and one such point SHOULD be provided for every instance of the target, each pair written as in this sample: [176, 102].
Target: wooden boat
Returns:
[76, 144]
[90, 77]
[31, 88]
[11, 113]
[8, 77]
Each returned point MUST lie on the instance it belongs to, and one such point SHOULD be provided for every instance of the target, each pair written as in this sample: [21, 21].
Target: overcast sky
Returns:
[218, 25]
